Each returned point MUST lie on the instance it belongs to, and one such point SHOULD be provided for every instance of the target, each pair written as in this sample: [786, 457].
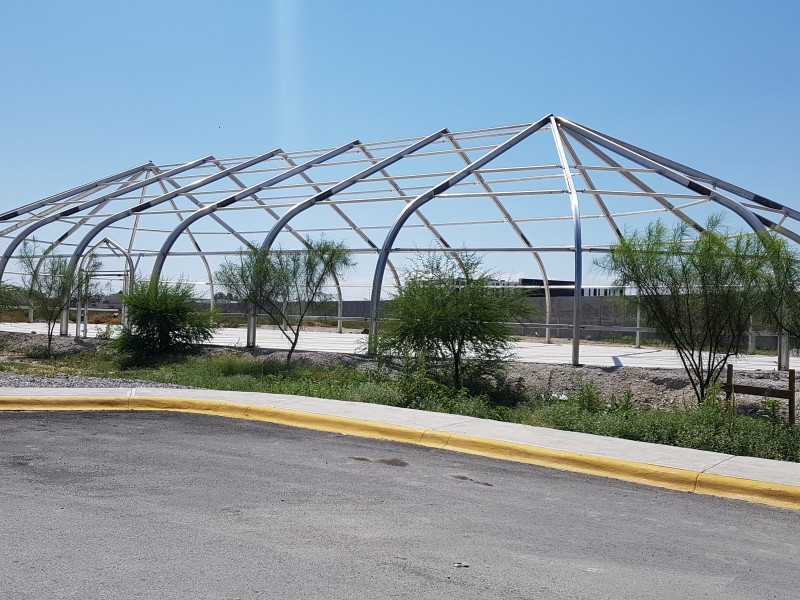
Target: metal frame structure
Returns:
[214, 206]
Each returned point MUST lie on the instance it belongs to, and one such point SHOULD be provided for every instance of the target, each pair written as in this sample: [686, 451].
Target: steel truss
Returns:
[216, 206]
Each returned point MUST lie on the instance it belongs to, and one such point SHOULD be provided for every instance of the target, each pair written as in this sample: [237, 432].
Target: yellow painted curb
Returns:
[773, 494]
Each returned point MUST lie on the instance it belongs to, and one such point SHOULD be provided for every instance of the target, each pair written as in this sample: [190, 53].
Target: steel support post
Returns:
[339, 304]
[78, 316]
[252, 324]
[638, 325]
[783, 351]
[576, 229]
[64, 324]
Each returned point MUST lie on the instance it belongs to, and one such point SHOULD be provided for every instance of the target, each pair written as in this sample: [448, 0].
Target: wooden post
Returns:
[791, 398]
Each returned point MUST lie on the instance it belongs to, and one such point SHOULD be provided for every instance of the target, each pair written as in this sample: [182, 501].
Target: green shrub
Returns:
[447, 313]
[163, 321]
[588, 398]
[711, 426]
[771, 411]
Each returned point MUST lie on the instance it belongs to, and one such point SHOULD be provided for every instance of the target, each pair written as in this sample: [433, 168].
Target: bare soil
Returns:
[658, 388]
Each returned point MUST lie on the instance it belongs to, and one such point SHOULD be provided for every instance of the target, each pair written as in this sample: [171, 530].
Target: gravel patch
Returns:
[657, 388]
[68, 381]
[33, 342]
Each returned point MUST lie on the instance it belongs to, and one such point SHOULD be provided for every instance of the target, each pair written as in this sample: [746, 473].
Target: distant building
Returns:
[560, 287]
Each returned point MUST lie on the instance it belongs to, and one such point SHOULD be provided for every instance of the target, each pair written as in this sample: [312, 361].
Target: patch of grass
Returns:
[231, 320]
[105, 318]
[711, 426]
[630, 340]
[37, 352]
[14, 315]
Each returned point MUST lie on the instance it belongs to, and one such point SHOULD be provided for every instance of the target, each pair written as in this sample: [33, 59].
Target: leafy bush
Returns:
[163, 321]
[447, 314]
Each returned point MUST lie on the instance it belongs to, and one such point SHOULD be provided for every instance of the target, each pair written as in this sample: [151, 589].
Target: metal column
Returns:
[576, 229]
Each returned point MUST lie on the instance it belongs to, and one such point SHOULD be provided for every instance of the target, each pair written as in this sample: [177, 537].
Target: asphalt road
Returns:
[169, 505]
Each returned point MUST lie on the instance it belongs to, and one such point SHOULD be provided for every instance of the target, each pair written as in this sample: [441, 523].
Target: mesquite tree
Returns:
[699, 291]
[50, 284]
[285, 285]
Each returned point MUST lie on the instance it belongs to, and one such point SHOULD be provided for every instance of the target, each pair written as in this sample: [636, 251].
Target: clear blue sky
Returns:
[91, 87]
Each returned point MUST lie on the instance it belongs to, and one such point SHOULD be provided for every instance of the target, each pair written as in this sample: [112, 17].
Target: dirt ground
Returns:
[655, 387]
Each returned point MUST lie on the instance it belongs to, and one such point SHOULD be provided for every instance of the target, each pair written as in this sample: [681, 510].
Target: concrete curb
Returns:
[773, 494]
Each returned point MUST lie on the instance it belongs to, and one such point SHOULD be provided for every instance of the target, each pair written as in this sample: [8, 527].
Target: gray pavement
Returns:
[698, 461]
[170, 505]
[595, 355]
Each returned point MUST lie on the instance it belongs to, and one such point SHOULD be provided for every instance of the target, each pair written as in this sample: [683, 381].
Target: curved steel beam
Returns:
[720, 183]
[87, 239]
[679, 178]
[209, 209]
[344, 184]
[126, 284]
[422, 199]
[637, 182]
[30, 229]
